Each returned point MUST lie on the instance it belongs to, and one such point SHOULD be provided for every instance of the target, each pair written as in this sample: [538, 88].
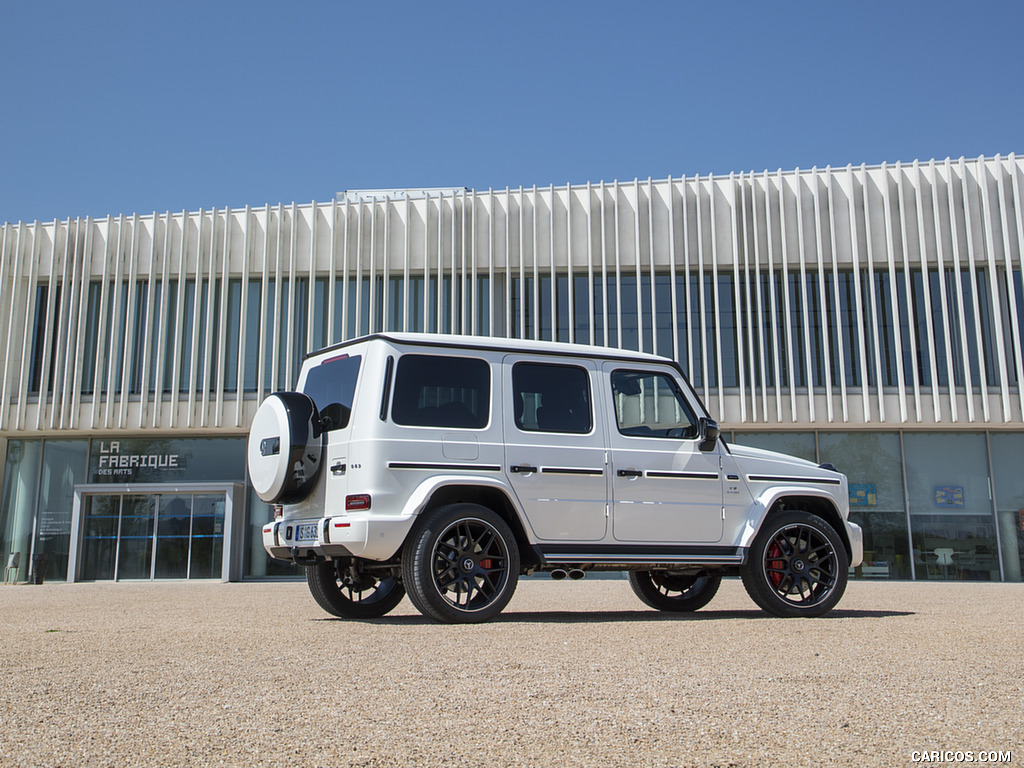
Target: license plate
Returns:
[305, 532]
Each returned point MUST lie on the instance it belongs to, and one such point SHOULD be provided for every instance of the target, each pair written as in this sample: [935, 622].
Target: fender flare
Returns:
[766, 500]
[420, 497]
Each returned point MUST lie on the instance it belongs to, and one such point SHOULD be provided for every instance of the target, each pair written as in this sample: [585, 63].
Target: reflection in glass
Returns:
[99, 538]
[258, 563]
[650, 405]
[174, 523]
[872, 463]
[166, 460]
[188, 540]
[18, 504]
[1007, 450]
[800, 444]
[951, 510]
[207, 536]
[135, 544]
[64, 464]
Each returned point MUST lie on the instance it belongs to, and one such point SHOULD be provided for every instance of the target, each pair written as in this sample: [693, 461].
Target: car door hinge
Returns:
[607, 510]
[723, 513]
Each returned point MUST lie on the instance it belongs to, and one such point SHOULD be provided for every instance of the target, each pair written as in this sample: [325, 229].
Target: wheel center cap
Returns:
[467, 564]
[798, 565]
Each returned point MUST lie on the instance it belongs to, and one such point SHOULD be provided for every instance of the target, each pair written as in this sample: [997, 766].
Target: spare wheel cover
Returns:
[284, 451]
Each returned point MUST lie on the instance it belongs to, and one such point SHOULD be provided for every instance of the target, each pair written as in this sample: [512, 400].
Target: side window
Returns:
[442, 391]
[551, 398]
[650, 404]
[332, 385]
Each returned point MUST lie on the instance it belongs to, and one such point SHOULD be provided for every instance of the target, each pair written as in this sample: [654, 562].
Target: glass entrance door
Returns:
[101, 523]
[207, 541]
[153, 536]
[173, 535]
[135, 541]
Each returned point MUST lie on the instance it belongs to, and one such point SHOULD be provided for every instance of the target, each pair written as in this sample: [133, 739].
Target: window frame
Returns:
[590, 398]
[358, 359]
[681, 398]
[399, 411]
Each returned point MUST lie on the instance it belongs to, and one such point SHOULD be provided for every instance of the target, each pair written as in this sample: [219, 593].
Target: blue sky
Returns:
[113, 108]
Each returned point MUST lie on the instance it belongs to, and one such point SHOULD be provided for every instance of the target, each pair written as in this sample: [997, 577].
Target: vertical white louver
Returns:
[854, 297]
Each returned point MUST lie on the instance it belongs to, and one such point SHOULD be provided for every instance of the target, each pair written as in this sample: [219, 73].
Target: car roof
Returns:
[529, 346]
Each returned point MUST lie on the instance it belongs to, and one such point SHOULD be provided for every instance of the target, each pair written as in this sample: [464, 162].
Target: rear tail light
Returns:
[357, 502]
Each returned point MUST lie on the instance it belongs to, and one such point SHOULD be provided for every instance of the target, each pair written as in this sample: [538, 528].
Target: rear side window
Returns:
[551, 398]
[332, 385]
[650, 405]
[442, 391]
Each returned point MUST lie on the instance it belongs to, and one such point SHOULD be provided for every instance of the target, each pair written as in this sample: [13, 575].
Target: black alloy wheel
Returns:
[461, 564]
[797, 566]
[359, 595]
[676, 592]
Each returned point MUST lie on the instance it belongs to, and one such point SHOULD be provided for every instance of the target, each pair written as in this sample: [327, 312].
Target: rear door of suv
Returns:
[555, 445]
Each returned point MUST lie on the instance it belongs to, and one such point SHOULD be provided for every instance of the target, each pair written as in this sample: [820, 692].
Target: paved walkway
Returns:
[572, 674]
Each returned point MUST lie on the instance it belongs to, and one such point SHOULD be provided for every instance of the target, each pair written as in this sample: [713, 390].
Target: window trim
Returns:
[590, 397]
[488, 392]
[689, 410]
[355, 386]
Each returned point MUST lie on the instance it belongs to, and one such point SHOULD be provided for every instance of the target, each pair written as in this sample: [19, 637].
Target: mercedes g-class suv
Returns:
[445, 467]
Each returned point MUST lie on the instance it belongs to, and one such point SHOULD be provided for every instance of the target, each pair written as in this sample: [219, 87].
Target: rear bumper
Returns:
[348, 536]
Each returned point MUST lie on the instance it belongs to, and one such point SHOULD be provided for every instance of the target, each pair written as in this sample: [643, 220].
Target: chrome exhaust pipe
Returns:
[577, 574]
[558, 574]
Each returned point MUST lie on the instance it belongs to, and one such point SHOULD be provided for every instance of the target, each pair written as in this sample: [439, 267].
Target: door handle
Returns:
[630, 473]
[523, 469]
[338, 468]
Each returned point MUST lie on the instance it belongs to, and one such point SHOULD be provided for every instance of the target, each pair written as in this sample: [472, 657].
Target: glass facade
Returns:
[35, 516]
[872, 462]
[710, 316]
[1007, 451]
[18, 510]
[125, 535]
[152, 536]
[257, 564]
[933, 505]
[799, 444]
[167, 460]
[924, 499]
[949, 495]
[63, 468]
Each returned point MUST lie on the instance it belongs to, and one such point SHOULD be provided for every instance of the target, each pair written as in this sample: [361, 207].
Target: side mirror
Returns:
[709, 433]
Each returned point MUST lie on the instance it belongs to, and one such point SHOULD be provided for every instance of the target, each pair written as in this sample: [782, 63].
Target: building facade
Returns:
[867, 316]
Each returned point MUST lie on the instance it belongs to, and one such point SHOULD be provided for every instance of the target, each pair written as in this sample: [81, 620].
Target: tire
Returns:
[285, 447]
[460, 564]
[797, 566]
[679, 593]
[336, 592]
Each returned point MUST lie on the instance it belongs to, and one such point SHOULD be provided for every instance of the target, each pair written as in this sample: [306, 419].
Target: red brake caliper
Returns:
[774, 575]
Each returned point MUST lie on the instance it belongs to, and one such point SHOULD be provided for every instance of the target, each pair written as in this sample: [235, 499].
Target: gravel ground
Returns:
[572, 674]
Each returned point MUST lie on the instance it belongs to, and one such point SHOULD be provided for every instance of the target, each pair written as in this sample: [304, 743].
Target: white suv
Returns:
[445, 467]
